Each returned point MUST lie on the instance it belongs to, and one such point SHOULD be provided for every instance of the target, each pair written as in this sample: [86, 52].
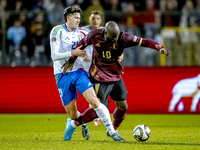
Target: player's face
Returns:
[95, 21]
[112, 36]
[73, 20]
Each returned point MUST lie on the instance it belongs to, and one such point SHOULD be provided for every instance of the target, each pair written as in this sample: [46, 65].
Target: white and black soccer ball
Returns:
[141, 133]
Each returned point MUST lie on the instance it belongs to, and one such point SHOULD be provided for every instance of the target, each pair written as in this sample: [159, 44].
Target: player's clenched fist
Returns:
[164, 51]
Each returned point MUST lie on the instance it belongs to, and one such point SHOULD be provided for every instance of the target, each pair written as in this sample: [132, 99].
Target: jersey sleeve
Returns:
[132, 40]
[55, 40]
[151, 44]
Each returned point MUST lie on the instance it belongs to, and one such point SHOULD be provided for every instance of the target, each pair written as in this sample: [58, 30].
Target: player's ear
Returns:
[89, 19]
[68, 16]
[105, 32]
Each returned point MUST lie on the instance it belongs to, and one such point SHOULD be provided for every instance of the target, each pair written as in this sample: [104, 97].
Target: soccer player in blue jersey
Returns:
[63, 42]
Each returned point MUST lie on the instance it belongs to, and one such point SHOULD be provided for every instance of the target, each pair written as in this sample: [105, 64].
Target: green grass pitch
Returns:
[45, 131]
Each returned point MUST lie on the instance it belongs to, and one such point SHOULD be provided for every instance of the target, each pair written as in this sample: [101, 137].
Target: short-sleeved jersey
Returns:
[105, 67]
[89, 50]
[62, 41]
[87, 28]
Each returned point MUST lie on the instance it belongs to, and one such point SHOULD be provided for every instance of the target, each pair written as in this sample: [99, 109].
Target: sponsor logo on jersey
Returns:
[67, 38]
[89, 83]
[97, 45]
[135, 38]
[53, 39]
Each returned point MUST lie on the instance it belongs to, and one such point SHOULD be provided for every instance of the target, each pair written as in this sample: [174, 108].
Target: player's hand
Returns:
[120, 58]
[164, 51]
[78, 52]
[86, 58]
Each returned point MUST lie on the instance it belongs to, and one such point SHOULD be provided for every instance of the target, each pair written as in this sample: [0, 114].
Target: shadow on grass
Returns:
[164, 143]
[175, 126]
[140, 143]
[97, 142]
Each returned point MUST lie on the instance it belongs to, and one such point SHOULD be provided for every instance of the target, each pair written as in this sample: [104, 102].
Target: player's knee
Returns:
[91, 97]
[72, 115]
[122, 106]
[94, 103]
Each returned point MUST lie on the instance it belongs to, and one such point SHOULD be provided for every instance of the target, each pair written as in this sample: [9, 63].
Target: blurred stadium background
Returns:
[27, 82]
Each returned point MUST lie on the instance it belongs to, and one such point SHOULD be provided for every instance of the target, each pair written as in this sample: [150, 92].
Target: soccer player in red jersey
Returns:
[63, 40]
[106, 70]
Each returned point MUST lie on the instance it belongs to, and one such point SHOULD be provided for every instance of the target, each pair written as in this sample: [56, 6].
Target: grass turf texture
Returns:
[45, 131]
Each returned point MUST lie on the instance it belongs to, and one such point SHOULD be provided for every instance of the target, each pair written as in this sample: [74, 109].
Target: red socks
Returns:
[88, 115]
[118, 117]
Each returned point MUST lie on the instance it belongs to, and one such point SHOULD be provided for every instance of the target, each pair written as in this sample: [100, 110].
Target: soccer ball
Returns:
[141, 133]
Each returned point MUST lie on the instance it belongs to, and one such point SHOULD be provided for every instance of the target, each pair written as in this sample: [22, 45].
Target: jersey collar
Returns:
[64, 26]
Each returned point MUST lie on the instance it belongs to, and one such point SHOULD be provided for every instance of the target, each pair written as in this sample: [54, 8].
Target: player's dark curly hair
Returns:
[70, 11]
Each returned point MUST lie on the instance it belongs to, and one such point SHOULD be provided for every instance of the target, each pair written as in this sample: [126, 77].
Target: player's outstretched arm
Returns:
[132, 40]
[164, 51]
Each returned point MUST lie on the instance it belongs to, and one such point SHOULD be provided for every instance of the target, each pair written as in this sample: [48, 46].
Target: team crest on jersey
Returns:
[53, 39]
[97, 45]
[80, 36]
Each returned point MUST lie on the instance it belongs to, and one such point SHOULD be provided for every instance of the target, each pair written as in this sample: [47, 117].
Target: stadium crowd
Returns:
[25, 25]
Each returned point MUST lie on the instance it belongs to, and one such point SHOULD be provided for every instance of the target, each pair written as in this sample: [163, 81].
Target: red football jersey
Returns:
[105, 67]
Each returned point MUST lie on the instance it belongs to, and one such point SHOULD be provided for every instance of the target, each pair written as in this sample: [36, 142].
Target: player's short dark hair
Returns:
[96, 12]
[70, 11]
